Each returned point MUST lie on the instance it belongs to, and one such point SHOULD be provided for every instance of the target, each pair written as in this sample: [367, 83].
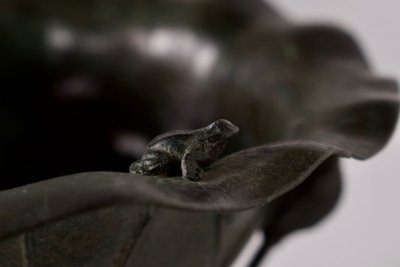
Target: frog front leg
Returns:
[189, 166]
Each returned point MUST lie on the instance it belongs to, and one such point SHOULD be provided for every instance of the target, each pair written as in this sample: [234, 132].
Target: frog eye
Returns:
[219, 127]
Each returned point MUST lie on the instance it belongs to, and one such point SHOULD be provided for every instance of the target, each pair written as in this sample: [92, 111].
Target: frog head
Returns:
[223, 127]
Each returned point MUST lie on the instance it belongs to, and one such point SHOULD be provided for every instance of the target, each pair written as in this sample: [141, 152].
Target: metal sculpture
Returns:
[87, 85]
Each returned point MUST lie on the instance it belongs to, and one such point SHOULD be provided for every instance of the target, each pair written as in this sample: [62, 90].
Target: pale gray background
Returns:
[364, 229]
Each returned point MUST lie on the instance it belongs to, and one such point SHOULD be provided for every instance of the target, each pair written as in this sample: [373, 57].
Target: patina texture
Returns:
[85, 87]
[190, 151]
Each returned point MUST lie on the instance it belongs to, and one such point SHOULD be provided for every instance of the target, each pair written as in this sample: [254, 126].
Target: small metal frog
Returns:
[192, 150]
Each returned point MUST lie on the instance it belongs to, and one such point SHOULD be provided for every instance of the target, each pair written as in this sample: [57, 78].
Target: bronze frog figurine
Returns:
[192, 150]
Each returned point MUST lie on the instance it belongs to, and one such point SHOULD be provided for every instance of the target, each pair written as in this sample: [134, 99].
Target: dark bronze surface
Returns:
[85, 86]
[185, 153]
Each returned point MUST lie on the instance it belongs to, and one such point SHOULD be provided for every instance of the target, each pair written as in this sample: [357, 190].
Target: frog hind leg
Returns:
[149, 164]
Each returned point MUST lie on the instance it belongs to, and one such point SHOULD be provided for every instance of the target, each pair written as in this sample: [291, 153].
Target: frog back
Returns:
[171, 137]
[172, 144]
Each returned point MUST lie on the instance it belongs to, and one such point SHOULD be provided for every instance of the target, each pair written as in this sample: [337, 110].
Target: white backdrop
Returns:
[364, 230]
